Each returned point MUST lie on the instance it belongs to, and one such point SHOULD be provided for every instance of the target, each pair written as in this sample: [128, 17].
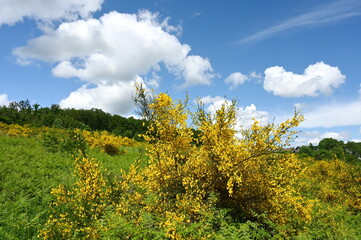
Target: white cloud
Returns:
[117, 47]
[115, 98]
[323, 14]
[317, 79]
[255, 76]
[114, 50]
[299, 106]
[195, 70]
[214, 103]
[333, 115]
[235, 79]
[4, 100]
[153, 80]
[315, 137]
[250, 113]
[13, 11]
[245, 116]
[170, 28]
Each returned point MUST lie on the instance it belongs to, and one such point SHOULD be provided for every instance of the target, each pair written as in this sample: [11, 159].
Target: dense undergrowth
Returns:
[61, 184]
[31, 168]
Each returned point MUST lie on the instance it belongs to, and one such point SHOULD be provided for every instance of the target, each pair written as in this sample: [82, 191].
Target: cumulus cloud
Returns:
[195, 70]
[334, 115]
[250, 113]
[13, 11]
[314, 137]
[235, 79]
[317, 79]
[4, 100]
[214, 103]
[115, 50]
[115, 47]
[114, 98]
[245, 115]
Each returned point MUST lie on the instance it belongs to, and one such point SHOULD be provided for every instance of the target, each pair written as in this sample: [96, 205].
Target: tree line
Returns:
[23, 112]
[329, 148]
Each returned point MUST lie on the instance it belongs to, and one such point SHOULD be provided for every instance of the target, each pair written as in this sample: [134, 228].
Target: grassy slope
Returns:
[27, 174]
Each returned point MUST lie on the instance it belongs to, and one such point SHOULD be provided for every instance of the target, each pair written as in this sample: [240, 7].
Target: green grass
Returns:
[113, 164]
[28, 172]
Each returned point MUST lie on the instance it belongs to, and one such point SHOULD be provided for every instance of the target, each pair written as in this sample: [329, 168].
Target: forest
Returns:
[86, 174]
[23, 112]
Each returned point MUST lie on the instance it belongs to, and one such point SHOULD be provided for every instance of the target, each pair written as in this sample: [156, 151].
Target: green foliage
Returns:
[62, 140]
[28, 173]
[78, 209]
[329, 148]
[335, 186]
[217, 225]
[75, 143]
[52, 141]
[329, 144]
[353, 151]
[94, 119]
[109, 198]
[332, 222]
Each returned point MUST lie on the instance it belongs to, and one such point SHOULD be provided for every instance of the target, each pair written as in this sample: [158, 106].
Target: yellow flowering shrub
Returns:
[15, 130]
[107, 142]
[334, 181]
[248, 174]
[187, 181]
[128, 142]
[77, 211]
[3, 128]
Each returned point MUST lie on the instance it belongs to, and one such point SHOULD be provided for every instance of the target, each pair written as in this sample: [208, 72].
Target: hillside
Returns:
[60, 184]
[29, 170]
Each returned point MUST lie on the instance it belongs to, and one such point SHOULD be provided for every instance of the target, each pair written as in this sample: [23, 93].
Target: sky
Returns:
[271, 56]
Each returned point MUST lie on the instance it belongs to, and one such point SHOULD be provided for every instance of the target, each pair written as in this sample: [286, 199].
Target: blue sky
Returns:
[272, 56]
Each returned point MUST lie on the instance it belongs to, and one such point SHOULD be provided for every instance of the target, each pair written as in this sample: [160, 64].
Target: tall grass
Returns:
[28, 172]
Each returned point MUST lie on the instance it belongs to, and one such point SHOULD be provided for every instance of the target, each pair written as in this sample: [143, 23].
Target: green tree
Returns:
[353, 151]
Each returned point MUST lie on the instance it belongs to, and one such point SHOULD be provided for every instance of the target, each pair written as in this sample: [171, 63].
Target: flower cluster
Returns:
[187, 180]
[76, 212]
[15, 130]
[107, 142]
[248, 175]
[335, 182]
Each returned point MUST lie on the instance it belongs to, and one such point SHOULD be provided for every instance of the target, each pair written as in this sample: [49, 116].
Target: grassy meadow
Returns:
[114, 190]
[28, 173]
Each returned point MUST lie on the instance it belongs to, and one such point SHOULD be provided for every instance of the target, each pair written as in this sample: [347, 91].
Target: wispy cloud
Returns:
[322, 14]
[196, 14]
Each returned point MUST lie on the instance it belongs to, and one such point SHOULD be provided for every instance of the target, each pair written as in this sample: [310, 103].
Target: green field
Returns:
[29, 172]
